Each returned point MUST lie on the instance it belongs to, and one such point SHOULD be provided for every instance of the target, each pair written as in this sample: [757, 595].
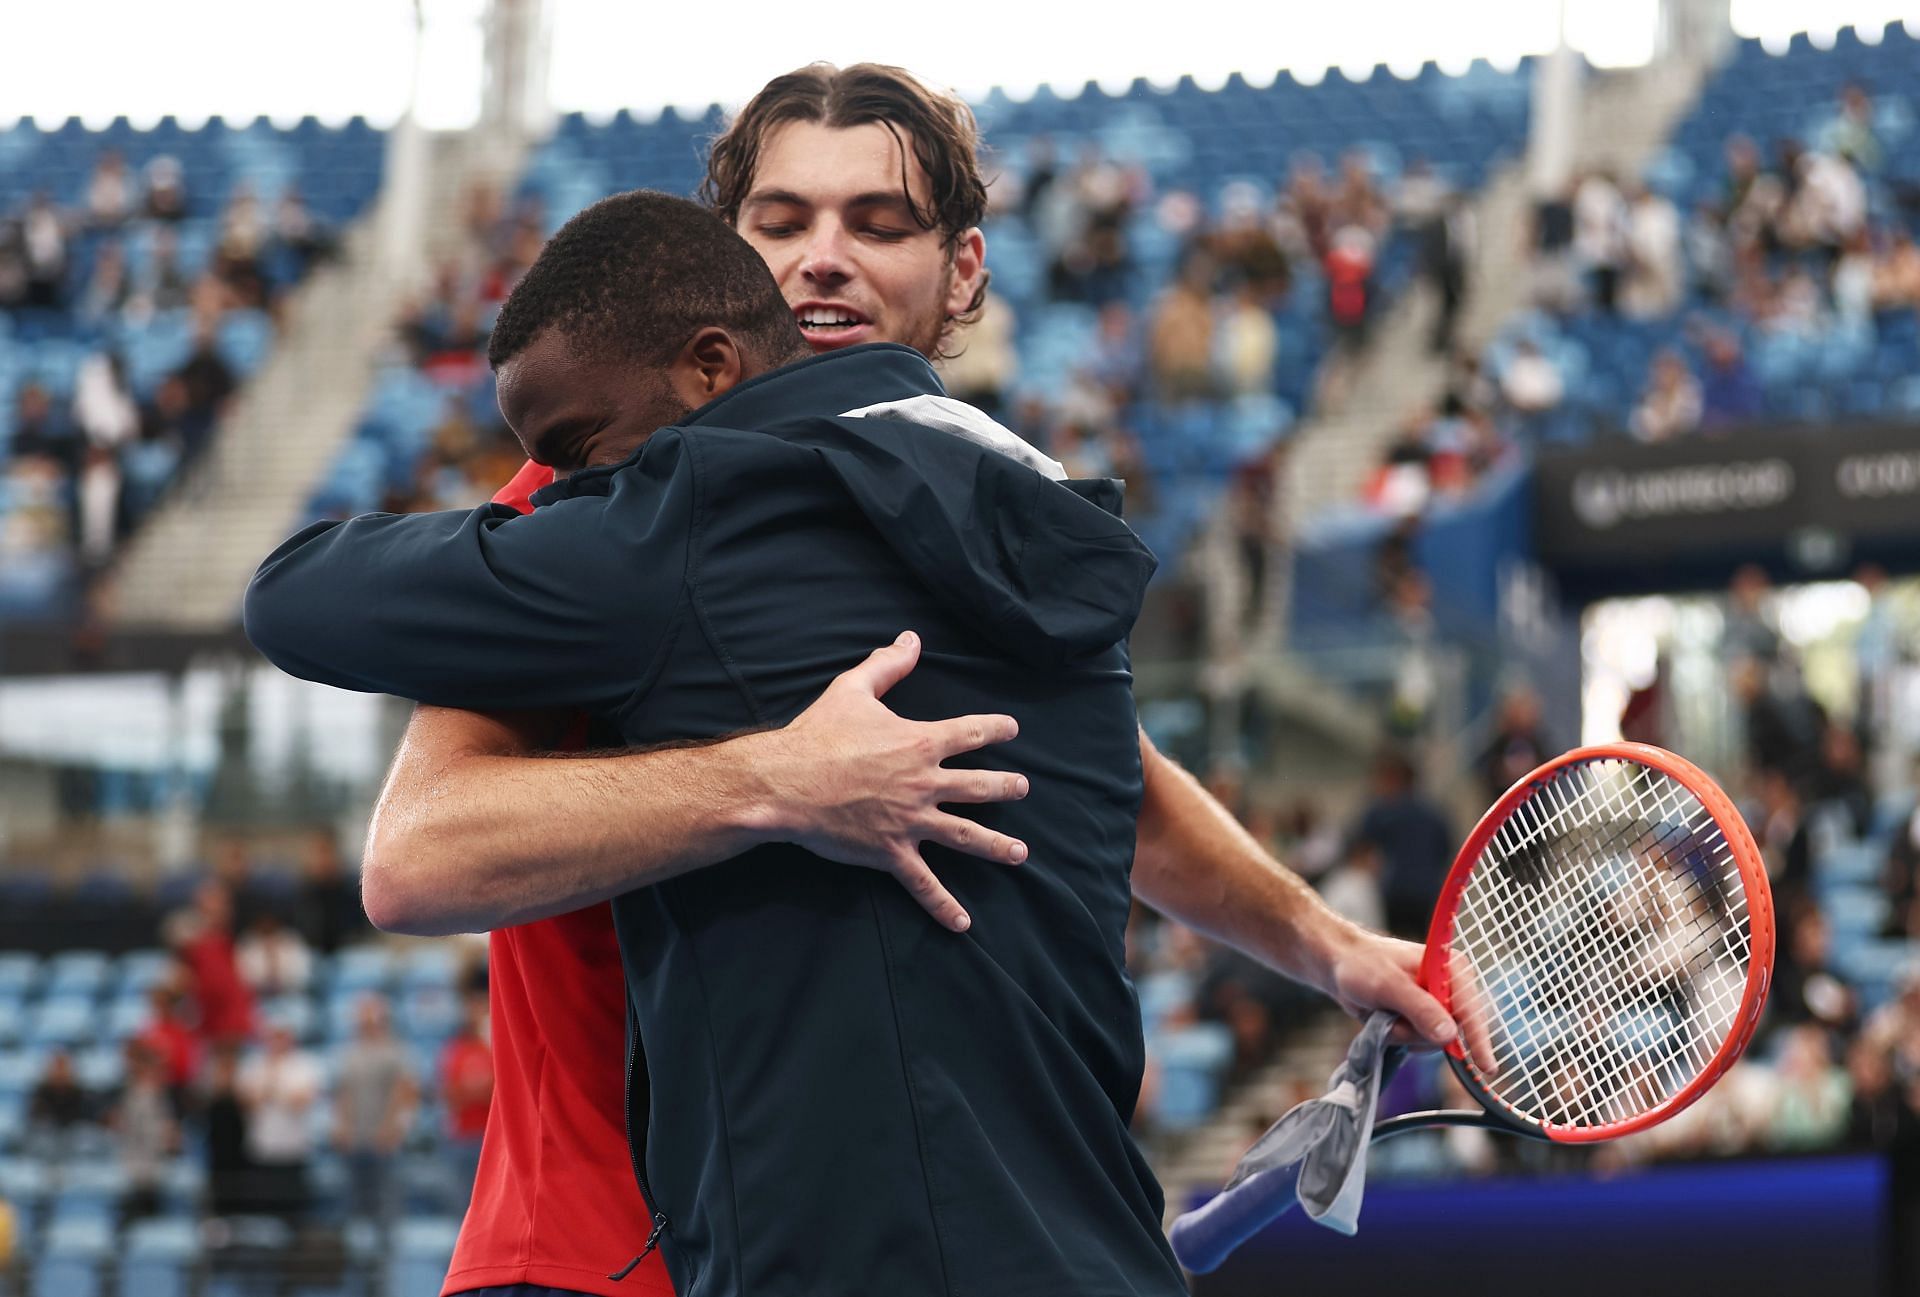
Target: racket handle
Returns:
[1205, 1236]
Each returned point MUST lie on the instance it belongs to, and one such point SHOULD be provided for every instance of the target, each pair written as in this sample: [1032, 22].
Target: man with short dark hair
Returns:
[852, 1098]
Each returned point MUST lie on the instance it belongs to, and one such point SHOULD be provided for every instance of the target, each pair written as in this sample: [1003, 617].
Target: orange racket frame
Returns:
[1434, 974]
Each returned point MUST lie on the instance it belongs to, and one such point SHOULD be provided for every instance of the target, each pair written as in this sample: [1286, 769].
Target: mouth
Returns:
[828, 325]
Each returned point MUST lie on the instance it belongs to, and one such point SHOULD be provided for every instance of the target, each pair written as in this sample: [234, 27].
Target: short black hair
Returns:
[632, 277]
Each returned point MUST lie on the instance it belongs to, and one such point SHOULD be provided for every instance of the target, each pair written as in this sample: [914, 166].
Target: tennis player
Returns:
[855, 1099]
[862, 189]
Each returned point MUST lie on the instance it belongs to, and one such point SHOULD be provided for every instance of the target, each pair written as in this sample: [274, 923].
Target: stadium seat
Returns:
[66, 1276]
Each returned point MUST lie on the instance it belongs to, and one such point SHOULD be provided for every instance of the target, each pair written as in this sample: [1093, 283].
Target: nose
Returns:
[824, 262]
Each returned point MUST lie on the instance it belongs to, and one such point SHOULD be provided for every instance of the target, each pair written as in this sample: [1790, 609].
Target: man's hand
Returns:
[857, 784]
[1365, 971]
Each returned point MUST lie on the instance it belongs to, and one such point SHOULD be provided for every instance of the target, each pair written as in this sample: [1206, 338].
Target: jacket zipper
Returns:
[639, 1172]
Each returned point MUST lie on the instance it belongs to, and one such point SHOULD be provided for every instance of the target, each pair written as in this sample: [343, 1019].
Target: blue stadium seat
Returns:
[77, 973]
[64, 1021]
[19, 972]
[66, 1276]
[157, 1257]
[360, 968]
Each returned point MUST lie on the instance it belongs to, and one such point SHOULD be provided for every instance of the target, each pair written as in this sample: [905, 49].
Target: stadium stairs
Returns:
[186, 571]
[1624, 122]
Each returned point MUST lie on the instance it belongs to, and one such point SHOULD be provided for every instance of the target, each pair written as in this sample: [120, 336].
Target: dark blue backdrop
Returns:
[1812, 1228]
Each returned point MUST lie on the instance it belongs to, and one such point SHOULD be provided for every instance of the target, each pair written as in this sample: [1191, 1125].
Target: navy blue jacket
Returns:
[846, 1097]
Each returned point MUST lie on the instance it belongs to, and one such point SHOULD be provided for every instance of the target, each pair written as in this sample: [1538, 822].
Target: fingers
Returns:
[970, 733]
[976, 840]
[976, 786]
[936, 900]
[885, 667]
[1424, 1014]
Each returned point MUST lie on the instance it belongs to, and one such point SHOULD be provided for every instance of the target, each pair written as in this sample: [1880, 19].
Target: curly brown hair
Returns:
[945, 138]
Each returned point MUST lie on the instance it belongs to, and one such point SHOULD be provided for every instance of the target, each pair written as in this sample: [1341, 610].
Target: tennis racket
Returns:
[1604, 943]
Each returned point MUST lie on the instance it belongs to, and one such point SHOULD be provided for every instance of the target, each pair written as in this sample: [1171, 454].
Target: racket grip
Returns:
[1207, 1235]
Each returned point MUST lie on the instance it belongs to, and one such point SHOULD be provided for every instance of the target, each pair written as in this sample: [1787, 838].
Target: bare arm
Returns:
[1195, 863]
[469, 834]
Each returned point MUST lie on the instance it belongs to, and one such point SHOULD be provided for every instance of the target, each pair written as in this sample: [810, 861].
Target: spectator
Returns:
[1446, 246]
[164, 286]
[1531, 384]
[277, 1090]
[1709, 254]
[1813, 1097]
[109, 288]
[146, 1130]
[1415, 843]
[466, 1090]
[1850, 134]
[203, 938]
[374, 1098]
[58, 1103]
[231, 1186]
[1600, 238]
[1730, 394]
[169, 1035]
[1180, 346]
[1879, 1114]
[209, 379]
[985, 367]
[110, 196]
[1781, 828]
[272, 958]
[166, 191]
[1806, 988]
[1247, 343]
[1852, 282]
[103, 403]
[169, 420]
[1351, 888]
[1518, 745]
[1749, 631]
[1349, 270]
[299, 231]
[1896, 274]
[1247, 249]
[1652, 244]
[1830, 206]
[40, 431]
[43, 241]
[1671, 406]
[1841, 779]
[327, 908]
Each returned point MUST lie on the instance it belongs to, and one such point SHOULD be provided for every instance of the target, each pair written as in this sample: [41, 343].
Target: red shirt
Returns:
[466, 1071]
[555, 1202]
[176, 1047]
[226, 1005]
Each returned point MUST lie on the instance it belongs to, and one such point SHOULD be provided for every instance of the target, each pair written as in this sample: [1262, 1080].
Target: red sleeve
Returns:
[518, 493]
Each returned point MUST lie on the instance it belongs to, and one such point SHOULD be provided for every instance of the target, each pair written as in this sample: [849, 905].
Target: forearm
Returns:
[479, 836]
[1195, 863]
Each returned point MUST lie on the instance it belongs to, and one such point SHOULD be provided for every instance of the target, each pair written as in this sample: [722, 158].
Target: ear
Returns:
[969, 262]
[708, 366]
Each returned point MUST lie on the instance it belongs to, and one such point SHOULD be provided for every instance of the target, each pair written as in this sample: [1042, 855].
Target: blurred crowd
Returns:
[90, 452]
[1793, 247]
[291, 1089]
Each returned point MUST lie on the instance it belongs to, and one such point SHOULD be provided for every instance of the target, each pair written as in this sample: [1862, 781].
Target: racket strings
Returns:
[1605, 937]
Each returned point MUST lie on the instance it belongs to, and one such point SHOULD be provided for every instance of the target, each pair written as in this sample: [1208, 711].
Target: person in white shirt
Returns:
[278, 1089]
[1653, 247]
[273, 958]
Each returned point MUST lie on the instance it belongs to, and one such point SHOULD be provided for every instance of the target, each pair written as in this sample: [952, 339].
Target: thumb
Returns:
[886, 667]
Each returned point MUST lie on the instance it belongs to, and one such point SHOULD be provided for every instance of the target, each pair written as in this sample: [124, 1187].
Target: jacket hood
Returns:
[1041, 565]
